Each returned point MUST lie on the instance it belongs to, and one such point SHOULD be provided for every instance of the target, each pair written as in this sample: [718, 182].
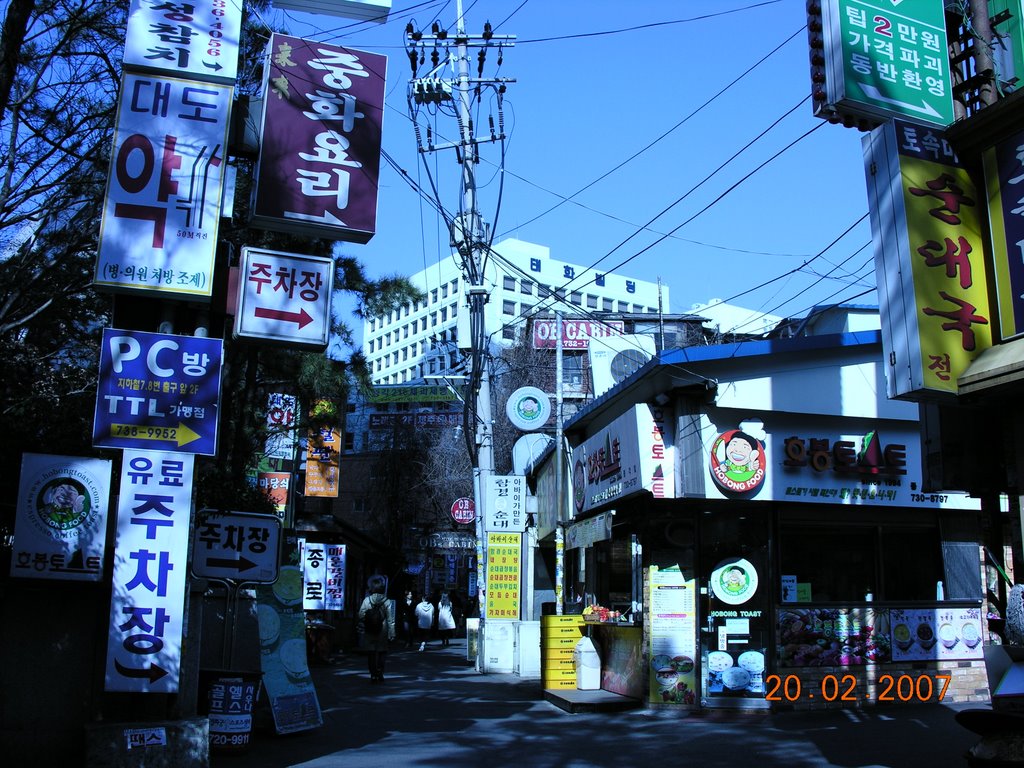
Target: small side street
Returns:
[435, 709]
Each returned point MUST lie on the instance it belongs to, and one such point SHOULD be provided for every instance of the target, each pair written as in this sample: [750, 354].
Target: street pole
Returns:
[470, 237]
[559, 474]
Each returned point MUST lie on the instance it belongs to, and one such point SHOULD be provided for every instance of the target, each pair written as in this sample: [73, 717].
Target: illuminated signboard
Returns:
[885, 58]
[929, 260]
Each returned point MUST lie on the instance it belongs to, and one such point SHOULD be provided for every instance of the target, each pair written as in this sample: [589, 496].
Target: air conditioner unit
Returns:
[613, 359]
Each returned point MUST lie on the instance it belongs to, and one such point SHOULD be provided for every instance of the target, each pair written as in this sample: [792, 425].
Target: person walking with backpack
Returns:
[376, 620]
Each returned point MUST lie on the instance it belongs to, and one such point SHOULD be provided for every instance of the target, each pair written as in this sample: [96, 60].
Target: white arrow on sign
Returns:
[873, 92]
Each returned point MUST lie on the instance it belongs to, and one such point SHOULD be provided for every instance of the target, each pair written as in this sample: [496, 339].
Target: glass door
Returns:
[736, 607]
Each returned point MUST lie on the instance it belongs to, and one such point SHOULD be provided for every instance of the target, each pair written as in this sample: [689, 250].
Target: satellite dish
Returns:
[527, 449]
[528, 408]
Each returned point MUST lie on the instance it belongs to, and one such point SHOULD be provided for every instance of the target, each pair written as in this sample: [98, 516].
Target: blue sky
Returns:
[649, 116]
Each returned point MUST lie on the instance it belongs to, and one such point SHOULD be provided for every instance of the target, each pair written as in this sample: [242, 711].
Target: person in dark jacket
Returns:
[377, 642]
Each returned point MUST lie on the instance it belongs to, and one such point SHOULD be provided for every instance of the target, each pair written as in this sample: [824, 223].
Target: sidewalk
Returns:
[434, 709]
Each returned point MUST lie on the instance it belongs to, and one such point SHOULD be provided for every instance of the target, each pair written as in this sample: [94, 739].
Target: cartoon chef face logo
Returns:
[738, 464]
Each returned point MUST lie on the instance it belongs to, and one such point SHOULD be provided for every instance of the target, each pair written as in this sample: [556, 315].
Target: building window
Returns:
[638, 308]
[433, 296]
[350, 441]
[606, 305]
[455, 286]
[508, 283]
[444, 314]
[543, 290]
[455, 311]
[405, 332]
[843, 562]
[526, 286]
[508, 307]
[576, 298]
[444, 291]
[591, 301]
[433, 319]
[508, 333]
[623, 306]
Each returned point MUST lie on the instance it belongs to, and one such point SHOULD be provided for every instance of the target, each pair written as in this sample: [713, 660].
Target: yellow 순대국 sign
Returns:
[930, 262]
[503, 574]
[950, 282]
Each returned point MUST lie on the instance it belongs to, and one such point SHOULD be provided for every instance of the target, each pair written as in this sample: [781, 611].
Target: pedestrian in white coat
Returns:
[424, 619]
[445, 618]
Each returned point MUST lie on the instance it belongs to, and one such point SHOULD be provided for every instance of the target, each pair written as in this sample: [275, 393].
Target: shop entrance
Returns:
[736, 608]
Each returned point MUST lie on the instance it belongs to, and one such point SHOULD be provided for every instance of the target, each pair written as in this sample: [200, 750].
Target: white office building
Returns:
[425, 338]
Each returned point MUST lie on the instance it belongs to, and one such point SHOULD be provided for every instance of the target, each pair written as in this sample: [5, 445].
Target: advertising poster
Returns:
[830, 637]
[61, 524]
[673, 637]
[503, 574]
[622, 664]
[286, 677]
[147, 602]
[944, 634]
[322, 462]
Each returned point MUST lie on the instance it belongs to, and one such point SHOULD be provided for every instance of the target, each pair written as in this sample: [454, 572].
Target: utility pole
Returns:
[469, 234]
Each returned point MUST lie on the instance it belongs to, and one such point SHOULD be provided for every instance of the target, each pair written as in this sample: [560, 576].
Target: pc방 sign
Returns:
[158, 392]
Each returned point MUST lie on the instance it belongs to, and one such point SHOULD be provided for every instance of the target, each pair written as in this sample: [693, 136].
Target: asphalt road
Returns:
[434, 709]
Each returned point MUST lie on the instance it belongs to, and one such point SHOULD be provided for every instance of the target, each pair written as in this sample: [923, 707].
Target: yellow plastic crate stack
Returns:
[559, 635]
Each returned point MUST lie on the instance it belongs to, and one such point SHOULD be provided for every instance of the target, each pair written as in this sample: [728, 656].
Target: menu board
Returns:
[827, 637]
[286, 677]
[673, 637]
[923, 634]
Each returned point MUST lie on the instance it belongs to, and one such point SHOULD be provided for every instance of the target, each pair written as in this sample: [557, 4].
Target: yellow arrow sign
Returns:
[180, 434]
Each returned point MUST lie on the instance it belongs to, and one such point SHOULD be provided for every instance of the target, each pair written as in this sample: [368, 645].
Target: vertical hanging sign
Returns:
[929, 259]
[319, 162]
[198, 39]
[150, 566]
[158, 232]
[1004, 178]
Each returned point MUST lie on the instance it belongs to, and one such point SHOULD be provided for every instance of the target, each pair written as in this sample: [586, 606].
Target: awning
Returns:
[996, 366]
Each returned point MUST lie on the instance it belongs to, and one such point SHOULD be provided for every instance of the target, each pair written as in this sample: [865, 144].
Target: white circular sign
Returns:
[528, 408]
[734, 581]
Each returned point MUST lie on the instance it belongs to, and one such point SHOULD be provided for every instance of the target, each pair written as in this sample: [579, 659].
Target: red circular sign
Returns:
[464, 510]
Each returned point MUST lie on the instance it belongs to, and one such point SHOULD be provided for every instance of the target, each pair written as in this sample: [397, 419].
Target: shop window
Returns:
[844, 563]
